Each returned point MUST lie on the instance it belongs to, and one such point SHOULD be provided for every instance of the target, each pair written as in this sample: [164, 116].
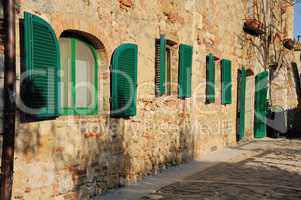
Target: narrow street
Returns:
[268, 169]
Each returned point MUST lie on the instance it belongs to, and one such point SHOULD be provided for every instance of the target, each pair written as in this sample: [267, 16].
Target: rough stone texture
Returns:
[283, 88]
[77, 157]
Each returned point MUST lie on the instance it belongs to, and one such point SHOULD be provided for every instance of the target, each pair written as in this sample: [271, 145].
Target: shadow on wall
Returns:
[95, 161]
[294, 115]
[28, 92]
[86, 156]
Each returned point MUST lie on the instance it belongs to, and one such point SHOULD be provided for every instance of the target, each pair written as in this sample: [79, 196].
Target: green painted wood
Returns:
[42, 64]
[261, 85]
[162, 64]
[73, 74]
[226, 82]
[242, 104]
[210, 88]
[124, 81]
[185, 71]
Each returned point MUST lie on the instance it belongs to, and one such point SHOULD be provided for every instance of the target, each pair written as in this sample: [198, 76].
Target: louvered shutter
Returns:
[210, 88]
[42, 63]
[261, 86]
[242, 103]
[226, 82]
[185, 71]
[160, 66]
[124, 81]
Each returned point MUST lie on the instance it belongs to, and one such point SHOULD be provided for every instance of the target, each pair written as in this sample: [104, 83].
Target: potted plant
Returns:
[253, 27]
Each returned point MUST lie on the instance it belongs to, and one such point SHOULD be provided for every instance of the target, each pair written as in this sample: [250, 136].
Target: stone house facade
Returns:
[78, 156]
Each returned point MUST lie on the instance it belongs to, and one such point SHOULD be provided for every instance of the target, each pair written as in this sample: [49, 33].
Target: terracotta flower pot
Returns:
[253, 27]
[289, 43]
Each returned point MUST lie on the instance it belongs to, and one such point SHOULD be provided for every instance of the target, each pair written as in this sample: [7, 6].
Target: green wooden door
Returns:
[261, 82]
[242, 103]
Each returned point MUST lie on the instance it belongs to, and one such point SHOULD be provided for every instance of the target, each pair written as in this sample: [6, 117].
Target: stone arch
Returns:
[87, 30]
[89, 38]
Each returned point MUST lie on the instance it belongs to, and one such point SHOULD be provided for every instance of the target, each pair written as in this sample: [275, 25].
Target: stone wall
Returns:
[78, 157]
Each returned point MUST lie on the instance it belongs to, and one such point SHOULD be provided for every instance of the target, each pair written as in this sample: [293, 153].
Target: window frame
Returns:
[210, 78]
[168, 71]
[168, 55]
[251, 9]
[74, 110]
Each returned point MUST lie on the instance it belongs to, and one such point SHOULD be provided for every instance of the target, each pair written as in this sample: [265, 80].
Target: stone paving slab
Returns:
[262, 169]
[174, 174]
[273, 172]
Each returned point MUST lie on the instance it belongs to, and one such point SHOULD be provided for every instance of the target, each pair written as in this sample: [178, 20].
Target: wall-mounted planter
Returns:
[253, 27]
[273, 66]
[216, 58]
[289, 43]
[297, 46]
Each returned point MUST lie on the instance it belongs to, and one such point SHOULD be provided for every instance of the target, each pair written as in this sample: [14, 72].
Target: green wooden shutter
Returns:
[226, 82]
[242, 103]
[162, 64]
[261, 83]
[210, 71]
[124, 81]
[185, 70]
[42, 64]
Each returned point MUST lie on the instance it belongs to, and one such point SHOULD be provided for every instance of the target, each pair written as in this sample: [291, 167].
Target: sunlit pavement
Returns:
[260, 169]
[266, 169]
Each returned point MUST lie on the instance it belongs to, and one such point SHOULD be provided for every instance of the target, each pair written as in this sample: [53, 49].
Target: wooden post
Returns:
[8, 148]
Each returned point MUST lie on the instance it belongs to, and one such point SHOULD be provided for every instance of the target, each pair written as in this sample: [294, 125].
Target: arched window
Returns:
[79, 81]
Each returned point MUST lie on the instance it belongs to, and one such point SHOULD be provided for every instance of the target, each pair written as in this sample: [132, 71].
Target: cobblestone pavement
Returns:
[270, 170]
